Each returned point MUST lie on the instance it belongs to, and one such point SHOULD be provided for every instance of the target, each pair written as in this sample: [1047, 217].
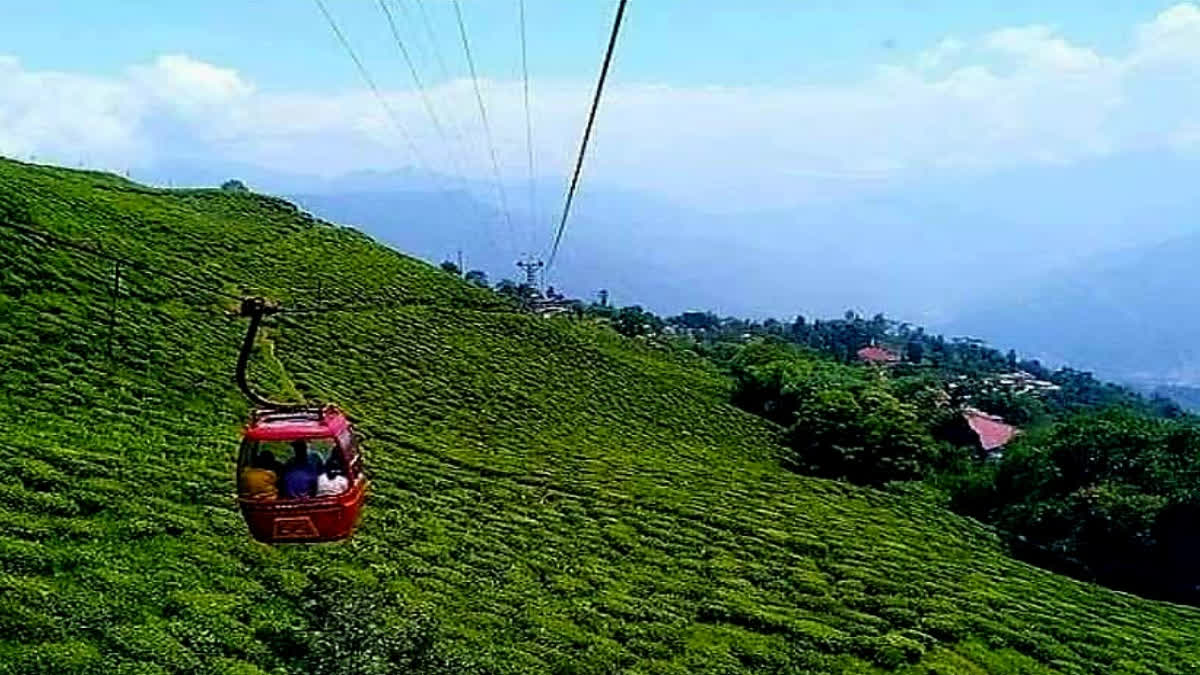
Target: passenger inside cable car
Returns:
[314, 468]
[299, 478]
[333, 480]
[259, 479]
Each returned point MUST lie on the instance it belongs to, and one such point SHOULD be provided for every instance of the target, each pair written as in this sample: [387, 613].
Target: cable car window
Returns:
[347, 440]
[299, 469]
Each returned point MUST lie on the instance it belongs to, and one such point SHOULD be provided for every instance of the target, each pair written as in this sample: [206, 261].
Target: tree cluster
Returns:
[1115, 492]
[838, 421]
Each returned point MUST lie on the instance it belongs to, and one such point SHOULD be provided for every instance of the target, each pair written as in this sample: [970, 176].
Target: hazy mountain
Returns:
[953, 251]
[183, 172]
[1133, 315]
[428, 225]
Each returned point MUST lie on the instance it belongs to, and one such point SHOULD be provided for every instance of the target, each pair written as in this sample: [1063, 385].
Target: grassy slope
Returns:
[547, 497]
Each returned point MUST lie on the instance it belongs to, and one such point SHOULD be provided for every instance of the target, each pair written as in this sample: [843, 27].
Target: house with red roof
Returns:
[878, 355]
[990, 431]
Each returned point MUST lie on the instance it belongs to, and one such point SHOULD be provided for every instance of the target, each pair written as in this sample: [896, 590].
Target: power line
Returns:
[366, 76]
[433, 41]
[435, 46]
[412, 69]
[462, 30]
[587, 133]
[533, 215]
[464, 140]
[418, 50]
[143, 267]
[391, 113]
[428, 102]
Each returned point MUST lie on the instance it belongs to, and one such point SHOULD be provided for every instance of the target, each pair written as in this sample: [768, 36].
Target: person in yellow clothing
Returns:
[258, 480]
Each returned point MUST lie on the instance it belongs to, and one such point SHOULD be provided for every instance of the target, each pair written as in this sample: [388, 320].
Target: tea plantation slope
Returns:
[547, 497]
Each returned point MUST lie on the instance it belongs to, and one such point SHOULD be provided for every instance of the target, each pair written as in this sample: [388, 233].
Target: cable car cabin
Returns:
[300, 476]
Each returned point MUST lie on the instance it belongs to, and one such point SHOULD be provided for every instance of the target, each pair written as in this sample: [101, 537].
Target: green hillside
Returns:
[547, 496]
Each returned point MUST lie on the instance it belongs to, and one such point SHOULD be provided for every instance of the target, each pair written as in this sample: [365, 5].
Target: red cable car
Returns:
[317, 495]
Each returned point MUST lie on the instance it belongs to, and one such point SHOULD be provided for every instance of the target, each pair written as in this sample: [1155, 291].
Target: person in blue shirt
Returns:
[299, 479]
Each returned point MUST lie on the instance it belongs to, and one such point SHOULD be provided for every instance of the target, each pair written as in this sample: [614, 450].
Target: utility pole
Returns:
[531, 267]
[462, 271]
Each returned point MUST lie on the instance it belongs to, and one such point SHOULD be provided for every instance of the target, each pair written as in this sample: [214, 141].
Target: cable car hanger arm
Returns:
[256, 309]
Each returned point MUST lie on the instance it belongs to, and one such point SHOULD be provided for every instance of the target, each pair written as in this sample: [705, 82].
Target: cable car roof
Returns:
[296, 425]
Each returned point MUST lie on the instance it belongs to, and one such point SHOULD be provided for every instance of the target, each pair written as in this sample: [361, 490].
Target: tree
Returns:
[697, 320]
[477, 277]
[234, 185]
[864, 435]
[1015, 408]
[839, 421]
[633, 320]
[451, 268]
[1035, 368]
[508, 287]
[915, 351]
[1112, 492]
[512, 289]
[878, 327]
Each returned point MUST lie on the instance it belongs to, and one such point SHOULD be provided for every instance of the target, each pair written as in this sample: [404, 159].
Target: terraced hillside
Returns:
[547, 497]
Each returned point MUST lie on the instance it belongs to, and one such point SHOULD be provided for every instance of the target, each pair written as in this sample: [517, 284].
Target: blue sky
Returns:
[714, 105]
[895, 149]
[285, 44]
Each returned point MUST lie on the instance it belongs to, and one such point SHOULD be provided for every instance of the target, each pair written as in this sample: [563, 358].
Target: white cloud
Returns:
[1171, 34]
[64, 116]
[186, 82]
[1012, 96]
[940, 53]
[1040, 49]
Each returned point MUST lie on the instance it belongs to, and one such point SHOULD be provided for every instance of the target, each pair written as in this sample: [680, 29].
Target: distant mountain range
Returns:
[1062, 262]
[1132, 316]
